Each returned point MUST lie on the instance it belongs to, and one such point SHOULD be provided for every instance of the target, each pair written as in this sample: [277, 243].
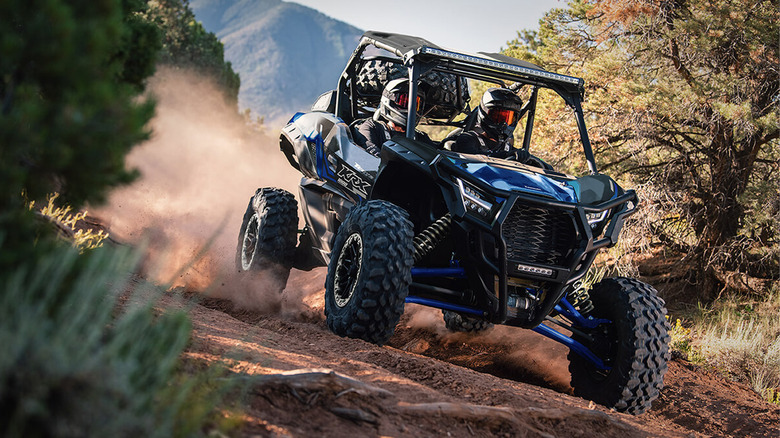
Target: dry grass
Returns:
[740, 339]
[66, 222]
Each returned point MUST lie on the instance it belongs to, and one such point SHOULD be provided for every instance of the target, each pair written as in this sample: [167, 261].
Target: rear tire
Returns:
[635, 344]
[455, 322]
[369, 272]
[268, 234]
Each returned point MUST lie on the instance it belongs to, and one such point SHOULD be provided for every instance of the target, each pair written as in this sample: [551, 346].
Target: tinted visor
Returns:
[402, 100]
[500, 115]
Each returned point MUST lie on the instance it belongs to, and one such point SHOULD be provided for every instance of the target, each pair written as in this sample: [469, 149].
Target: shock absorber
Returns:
[430, 237]
[580, 298]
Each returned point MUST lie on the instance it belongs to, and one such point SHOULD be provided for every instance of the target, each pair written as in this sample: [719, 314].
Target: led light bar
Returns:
[536, 271]
[502, 65]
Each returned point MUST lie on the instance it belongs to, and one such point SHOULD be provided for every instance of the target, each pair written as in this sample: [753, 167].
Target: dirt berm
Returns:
[427, 382]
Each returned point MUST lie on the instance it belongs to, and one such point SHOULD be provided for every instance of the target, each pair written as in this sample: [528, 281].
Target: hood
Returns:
[515, 177]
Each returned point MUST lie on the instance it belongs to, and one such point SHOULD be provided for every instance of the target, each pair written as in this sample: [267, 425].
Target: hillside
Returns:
[286, 54]
[306, 381]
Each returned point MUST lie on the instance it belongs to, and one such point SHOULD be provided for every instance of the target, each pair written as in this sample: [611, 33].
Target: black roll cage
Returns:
[421, 56]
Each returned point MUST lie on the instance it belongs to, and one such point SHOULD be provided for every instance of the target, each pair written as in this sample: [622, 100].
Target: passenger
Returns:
[389, 119]
[493, 134]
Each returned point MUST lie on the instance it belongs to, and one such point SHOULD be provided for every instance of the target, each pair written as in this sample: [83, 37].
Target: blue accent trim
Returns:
[439, 272]
[295, 117]
[324, 171]
[442, 305]
[576, 317]
[573, 345]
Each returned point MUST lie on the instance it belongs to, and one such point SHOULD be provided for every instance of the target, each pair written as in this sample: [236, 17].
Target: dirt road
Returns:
[428, 382]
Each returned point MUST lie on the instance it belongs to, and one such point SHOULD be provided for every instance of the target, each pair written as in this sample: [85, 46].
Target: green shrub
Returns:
[76, 364]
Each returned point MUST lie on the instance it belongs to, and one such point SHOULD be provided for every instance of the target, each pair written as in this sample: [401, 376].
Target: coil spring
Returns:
[427, 240]
[580, 298]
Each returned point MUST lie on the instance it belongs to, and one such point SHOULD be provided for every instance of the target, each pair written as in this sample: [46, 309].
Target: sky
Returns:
[463, 25]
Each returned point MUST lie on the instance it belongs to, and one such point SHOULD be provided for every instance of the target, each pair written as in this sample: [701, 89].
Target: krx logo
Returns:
[351, 180]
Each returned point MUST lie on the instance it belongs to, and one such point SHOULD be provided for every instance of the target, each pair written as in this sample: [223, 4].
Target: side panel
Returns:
[323, 147]
[324, 211]
[297, 150]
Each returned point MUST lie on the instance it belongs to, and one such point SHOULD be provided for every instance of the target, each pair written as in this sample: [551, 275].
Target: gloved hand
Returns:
[519, 155]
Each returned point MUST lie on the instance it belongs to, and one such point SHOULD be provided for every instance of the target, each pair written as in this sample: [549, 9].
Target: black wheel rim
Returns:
[249, 244]
[348, 270]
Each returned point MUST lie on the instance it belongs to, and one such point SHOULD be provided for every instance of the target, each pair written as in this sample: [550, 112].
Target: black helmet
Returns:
[498, 113]
[394, 105]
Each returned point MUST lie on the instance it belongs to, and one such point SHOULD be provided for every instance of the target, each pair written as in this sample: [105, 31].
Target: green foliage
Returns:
[680, 96]
[138, 51]
[74, 364]
[68, 117]
[69, 113]
[186, 43]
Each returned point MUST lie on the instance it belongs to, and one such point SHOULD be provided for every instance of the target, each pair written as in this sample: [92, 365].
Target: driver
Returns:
[390, 118]
[497, 116]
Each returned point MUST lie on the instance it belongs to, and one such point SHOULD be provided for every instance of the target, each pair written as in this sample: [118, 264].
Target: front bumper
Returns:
[536, 239]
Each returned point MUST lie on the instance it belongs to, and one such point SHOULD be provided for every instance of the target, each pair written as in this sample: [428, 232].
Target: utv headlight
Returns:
[474, 200]
[594, 219]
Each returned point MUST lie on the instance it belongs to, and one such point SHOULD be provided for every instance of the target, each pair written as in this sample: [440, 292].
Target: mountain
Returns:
[287, 54]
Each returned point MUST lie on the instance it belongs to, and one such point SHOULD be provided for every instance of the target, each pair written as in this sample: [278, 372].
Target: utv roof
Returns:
[488, 65]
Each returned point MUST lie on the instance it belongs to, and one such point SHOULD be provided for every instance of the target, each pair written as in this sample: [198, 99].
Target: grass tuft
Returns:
[83, 239]
[738, 338]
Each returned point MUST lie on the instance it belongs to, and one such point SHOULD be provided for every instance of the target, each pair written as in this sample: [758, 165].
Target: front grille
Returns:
[539, 236]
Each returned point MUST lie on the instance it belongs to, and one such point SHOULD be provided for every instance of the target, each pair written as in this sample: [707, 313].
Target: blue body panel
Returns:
[511, 177]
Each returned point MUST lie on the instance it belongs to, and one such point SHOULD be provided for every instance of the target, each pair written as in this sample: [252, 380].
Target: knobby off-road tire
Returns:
[635, 345]
[441, 88]
[375, 74]
[268, 234]
[455, 322]
[369, 272]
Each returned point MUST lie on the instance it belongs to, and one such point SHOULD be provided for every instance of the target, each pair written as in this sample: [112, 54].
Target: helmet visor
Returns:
[402, 100]
[501, 115]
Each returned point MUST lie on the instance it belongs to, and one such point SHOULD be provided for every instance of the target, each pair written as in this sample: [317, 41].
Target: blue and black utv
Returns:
[487, 240]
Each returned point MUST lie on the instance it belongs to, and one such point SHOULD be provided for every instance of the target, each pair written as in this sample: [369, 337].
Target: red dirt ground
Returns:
[428, 382]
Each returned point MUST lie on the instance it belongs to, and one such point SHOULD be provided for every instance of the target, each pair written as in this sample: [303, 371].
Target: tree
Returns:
[186, 43]
[683, 95]
[70, 76]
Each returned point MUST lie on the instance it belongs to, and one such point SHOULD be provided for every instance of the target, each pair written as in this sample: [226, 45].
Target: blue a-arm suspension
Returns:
[564, 308]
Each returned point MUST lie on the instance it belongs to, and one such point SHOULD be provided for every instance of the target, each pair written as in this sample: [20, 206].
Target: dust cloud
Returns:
[198, 172]
[519, 353]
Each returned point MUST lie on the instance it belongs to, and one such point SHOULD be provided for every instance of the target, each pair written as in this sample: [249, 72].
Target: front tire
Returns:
[635, 344]
[369, 272]
[268, 234]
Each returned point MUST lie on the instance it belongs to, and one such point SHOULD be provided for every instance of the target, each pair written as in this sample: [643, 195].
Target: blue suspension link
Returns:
[573, 315]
